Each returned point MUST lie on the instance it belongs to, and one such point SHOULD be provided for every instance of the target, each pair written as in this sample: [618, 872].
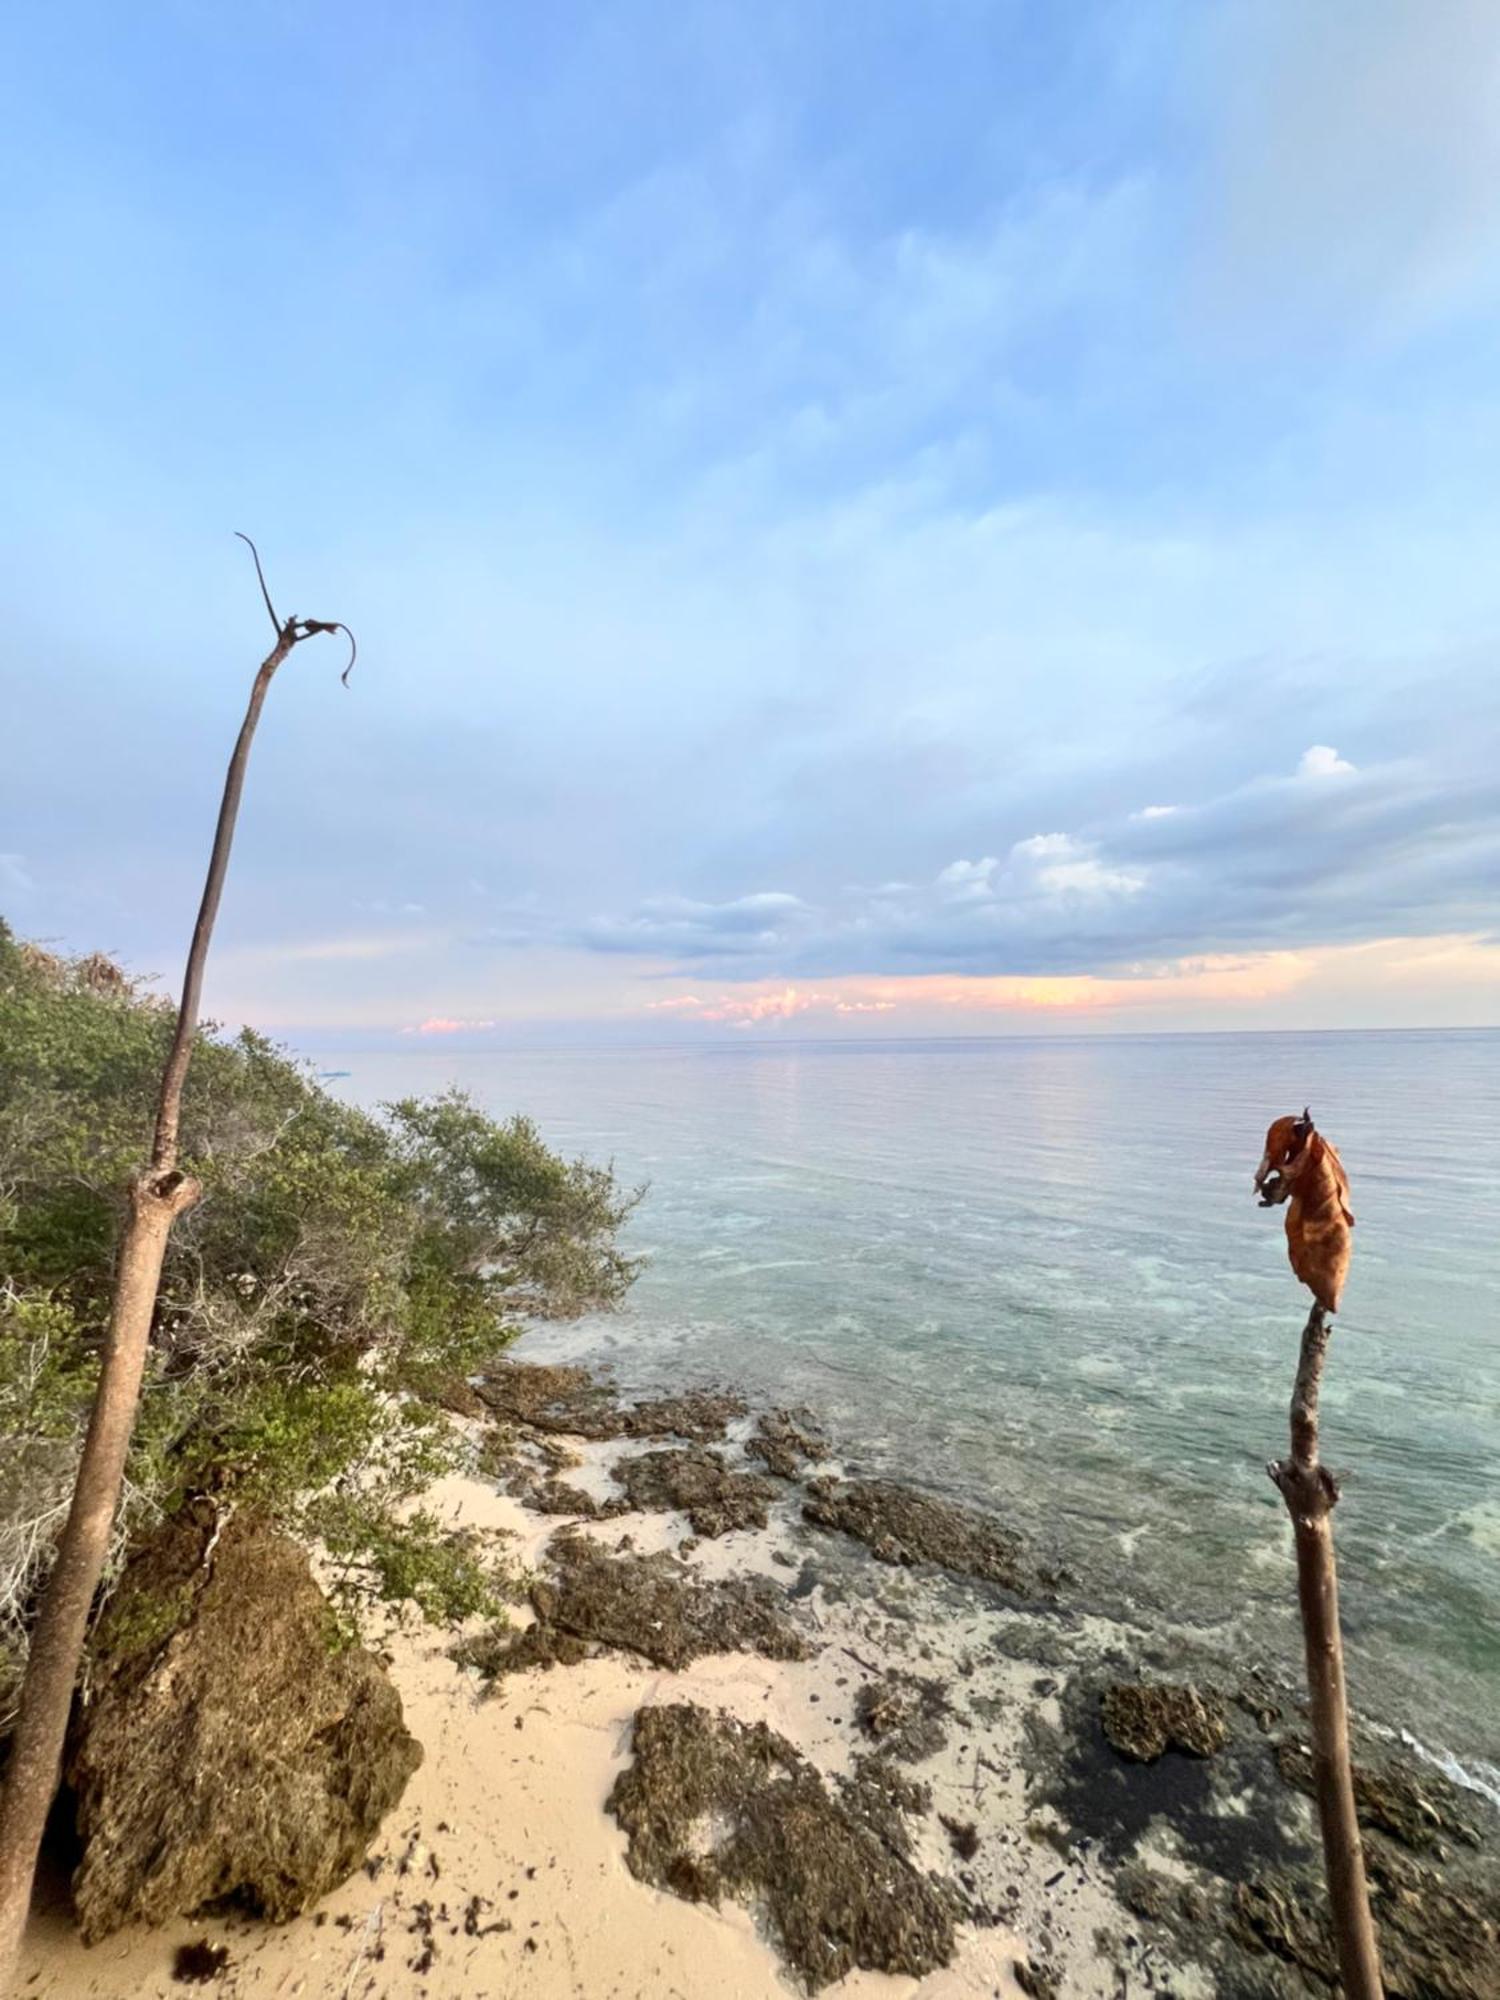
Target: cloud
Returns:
[1327, 854]
[441, 1024]
[1065, 866]
[760, 922]
[962, 881]
[782, 1004]
[1329, 982]
[924, 510]
[1321, 761]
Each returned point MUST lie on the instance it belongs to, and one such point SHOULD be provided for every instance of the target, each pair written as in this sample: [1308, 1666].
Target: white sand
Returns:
[508, 1807]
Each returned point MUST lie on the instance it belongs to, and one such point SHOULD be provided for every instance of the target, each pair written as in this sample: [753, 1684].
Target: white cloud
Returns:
[967, 881]
[1063, 866]
[1323, 761]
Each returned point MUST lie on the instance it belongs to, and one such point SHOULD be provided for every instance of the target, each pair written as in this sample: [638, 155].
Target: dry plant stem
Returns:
[158, 1193]
[1310, 1493]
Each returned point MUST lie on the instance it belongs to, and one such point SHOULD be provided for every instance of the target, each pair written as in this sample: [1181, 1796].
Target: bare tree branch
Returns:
[270, 607]
[159, 1193]
[1311, 1493]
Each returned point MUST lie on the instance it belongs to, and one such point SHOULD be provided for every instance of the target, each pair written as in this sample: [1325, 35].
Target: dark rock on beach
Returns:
[502, 1649]
[695, 1481]
[655, 1606]
[784, 1441]
[232, 1746]
[568, 1400]
[576, 1403]
[897, 1524]
[1437, 1940]
[1418, 1808]
[1144, 1720]
[834, 1890]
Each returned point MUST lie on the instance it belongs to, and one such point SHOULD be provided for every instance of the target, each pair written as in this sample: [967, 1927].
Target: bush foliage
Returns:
[341, 1273]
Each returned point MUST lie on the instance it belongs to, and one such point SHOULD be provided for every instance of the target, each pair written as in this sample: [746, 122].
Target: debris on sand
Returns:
[714, 1807]
[502, 1649]
[655, 1606]
[904, 1714]
[899, 1525]
[199, 1964]
[695, 1481]
[1143, 1720]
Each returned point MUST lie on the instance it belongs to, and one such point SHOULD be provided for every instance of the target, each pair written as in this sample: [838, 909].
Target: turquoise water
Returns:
[1032, 1273]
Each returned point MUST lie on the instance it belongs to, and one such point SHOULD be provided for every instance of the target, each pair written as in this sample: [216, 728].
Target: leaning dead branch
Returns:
[159, 1193]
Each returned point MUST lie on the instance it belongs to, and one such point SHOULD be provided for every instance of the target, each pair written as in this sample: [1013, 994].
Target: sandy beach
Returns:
[501, 1873]
[1074, 1857]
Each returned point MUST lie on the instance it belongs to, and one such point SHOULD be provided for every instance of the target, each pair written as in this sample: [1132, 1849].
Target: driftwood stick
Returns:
[1311, 1493]
[159, 1193]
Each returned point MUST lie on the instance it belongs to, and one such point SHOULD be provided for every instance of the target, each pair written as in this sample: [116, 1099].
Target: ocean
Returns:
[1031, 1273]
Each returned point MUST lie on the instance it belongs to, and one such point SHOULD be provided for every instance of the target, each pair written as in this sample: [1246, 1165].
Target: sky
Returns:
[861, 517]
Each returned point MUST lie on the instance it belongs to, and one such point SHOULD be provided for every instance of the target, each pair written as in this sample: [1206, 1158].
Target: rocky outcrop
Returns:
[695, 1481]
[897, 1524]
[784, 1440]
[1438, 1941]
[574, 1402]
[655, 1606]
[714, 1807]
[1143, 1720]
[233, 1745]
[1419, 1809]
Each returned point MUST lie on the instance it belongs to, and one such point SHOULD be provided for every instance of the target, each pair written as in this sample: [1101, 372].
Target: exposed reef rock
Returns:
[655, 1606]
[574, 1402]
[1418, 1809]
[784, 1441]
[694, 1481]
[1437, 1942]
[713, 1808]
[232, 1745]
[899, 1525]
[1144, 1720]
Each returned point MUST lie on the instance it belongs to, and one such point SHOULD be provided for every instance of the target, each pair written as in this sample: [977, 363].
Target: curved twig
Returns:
[270, 607]
[353, 651]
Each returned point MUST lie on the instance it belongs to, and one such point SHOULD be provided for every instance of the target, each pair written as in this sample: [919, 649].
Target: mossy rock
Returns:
[233, 1745]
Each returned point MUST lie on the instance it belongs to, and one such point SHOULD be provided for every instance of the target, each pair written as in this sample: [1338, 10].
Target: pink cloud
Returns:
[782, 1005]
[440, 1024]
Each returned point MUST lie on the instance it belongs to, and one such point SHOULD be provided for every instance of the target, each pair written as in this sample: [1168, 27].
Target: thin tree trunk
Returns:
[159, 1193]
[1310, 1493]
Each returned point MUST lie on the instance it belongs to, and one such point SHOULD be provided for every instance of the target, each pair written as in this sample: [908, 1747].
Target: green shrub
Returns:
[341, 1271]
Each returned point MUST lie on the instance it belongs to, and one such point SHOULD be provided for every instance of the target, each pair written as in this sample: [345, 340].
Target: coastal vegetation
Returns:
[319, 1305]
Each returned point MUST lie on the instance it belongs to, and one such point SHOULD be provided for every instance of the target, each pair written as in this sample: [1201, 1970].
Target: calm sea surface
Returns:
[1032, 1273]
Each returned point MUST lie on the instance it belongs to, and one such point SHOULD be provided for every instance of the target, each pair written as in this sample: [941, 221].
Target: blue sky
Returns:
[815, 484]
